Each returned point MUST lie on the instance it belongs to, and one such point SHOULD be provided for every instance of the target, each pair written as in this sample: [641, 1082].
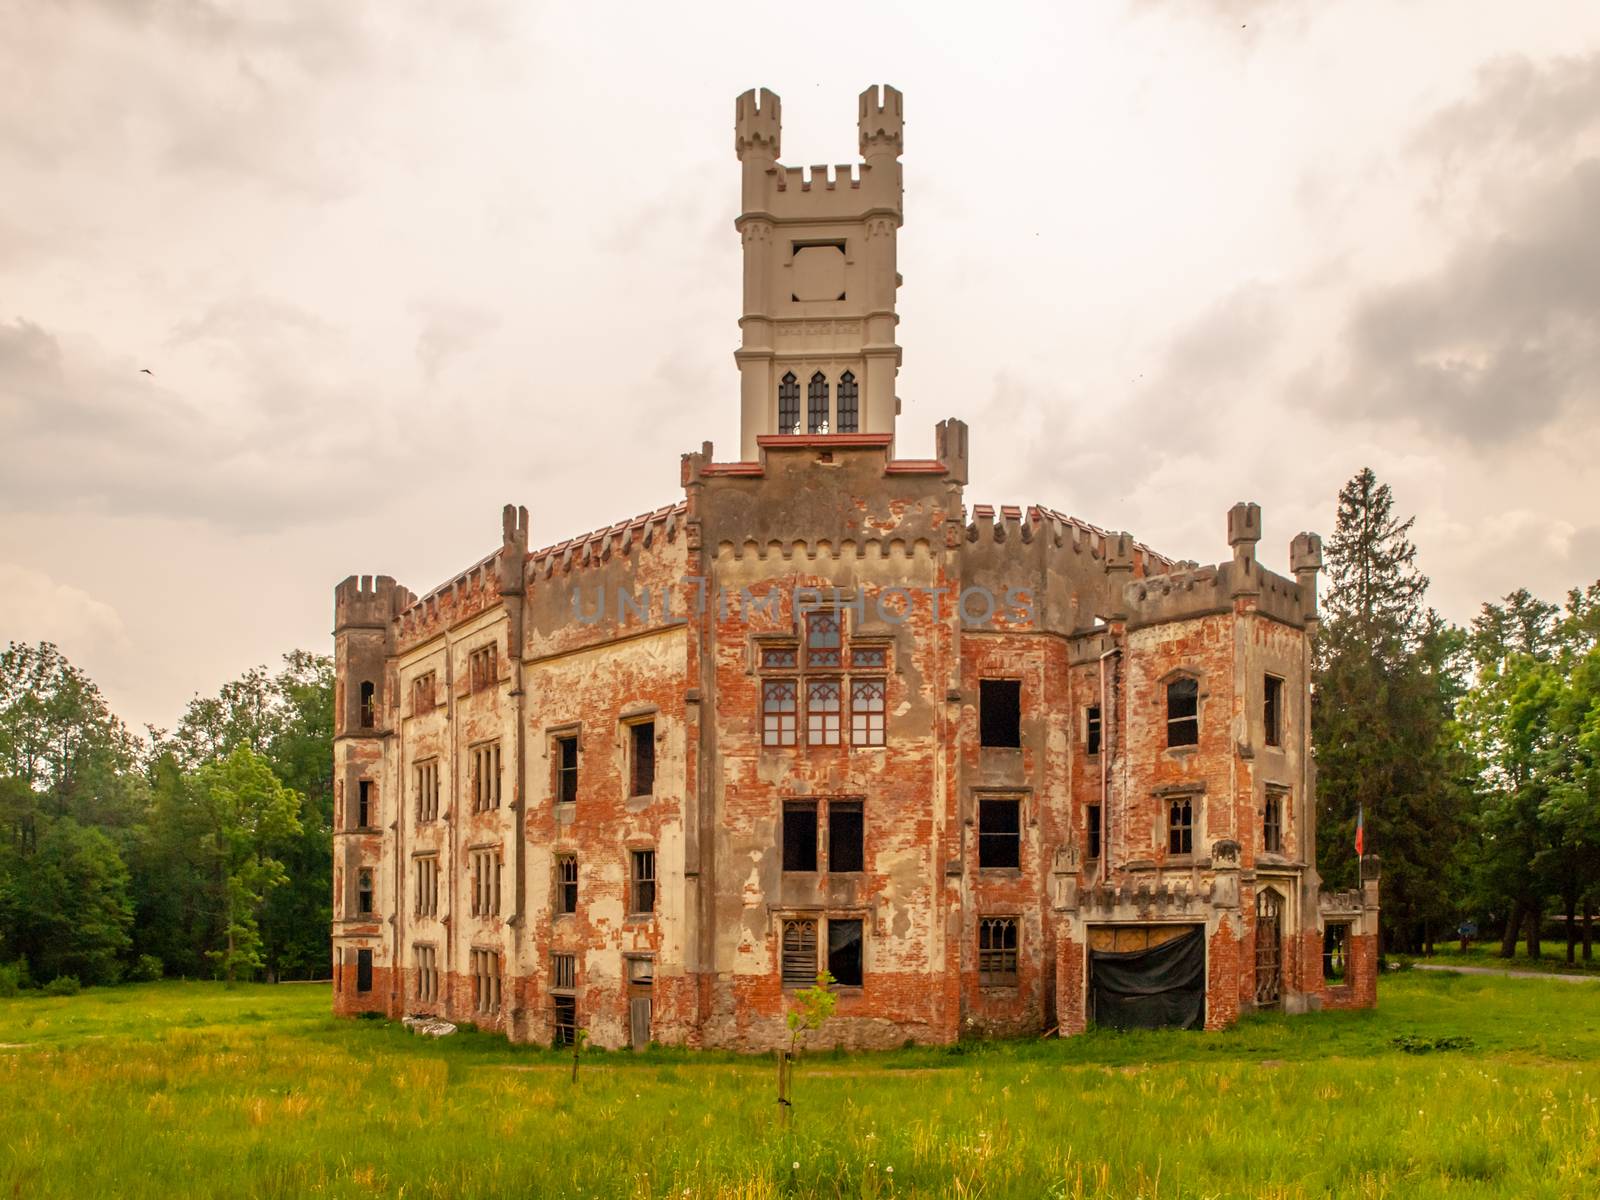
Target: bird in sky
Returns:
[146, 371]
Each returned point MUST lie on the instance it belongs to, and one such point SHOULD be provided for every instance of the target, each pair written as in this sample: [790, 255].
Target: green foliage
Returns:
[1411, 1043]
[62, 985]
[147, 968]
[812, 1007]
[11, 975]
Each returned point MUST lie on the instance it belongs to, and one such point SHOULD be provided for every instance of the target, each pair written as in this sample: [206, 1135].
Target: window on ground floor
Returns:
[997, 951]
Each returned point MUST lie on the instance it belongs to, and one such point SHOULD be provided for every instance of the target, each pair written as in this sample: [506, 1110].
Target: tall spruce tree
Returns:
[1381, 719]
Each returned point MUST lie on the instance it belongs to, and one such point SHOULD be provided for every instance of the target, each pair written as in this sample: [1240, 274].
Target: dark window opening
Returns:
[364, 804]
[778, 715]
[799, 953]
[999, 833]
[1180, 826]
[1336, 953]
[849, 403]
[799, 836]
[565, 1030]
[567, 884]
[644, 758]
[1000, 712]
[997, 952]
[789, 404]
[817, 404]
[364, 893]
[643, 898]
[369, 704]
[363, 970]
[1272, 710]
[846, 836]
[566, 769]
[1272, 822]
[824, 637]
[1183, 713]
[1091, 730]
[844, 952]
[1094, 831]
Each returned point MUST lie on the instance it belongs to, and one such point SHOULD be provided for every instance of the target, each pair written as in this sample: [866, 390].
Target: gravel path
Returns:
[1595, 978]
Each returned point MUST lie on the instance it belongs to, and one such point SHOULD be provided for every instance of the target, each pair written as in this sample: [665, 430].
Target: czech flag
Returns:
[1361, 841]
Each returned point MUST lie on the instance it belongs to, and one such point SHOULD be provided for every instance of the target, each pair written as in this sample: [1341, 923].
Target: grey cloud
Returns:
[1531, 108]
[448, 331]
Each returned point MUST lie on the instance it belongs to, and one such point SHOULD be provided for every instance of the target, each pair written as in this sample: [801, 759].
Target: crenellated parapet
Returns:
[365, 601]
[625, 538]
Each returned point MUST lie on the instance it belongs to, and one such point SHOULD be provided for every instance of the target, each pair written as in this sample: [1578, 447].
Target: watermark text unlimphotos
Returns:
[694, 597]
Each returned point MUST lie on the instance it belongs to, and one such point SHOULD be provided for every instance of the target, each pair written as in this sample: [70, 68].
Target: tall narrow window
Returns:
[1180, 826]
[566, 768]
[642, 899]
[778, 714]
[817, 404]
[1091, 730]
[999, 833]
[822, 713]
[486, 777]
[567, 883]
[844, 951]
[427, 886]
[483, 668]
[1272, 822]
[486, 981]
[800, 835]
[849, 413]
[426, 774]
[799, 953]
[422, 695]
[642, 738]
[1183, 713]
[866, 712]
[364, 805]
[846, 836]
[364, 892]
[427, 973]
[1272, 710]
[824, 637]
[1094, 835]
[363, 970]
[789, 404]
[997, 952]
[1000, 712]
[369, 704]
[485, 883]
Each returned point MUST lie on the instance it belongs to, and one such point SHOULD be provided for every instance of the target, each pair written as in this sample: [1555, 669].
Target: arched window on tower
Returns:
[817, 404]
[849, 410]
[789, 404]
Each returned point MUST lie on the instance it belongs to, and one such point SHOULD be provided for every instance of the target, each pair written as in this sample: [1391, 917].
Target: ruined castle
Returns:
[995, 770]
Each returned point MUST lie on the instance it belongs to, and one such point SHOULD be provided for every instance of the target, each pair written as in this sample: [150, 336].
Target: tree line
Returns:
[1471, 755]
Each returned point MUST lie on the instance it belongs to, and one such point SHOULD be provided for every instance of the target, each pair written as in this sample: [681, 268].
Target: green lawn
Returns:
[172, 1089]
[1487, 954]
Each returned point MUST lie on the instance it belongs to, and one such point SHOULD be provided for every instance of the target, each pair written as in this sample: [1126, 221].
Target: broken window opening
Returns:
[363, 970]
[849, 403]
[800, 835]
[1091, 730]
[867, 712]
[789, 404]
[844, 951]
[642, 899]
[817, 404]
[997, 952]
[642, 735]
[1272, 822]
[1336, 953]
[566, 767]
[641, 970]
[364, 806]
[1000, 712]
[1183, 712]
[999, 833]
[822, 712]
[1180, 826]
[369, 705]
[799, 953]
[778, 716]
[1094, 831]
[364, 892]
[564, 1023]
[567, 883]
[1272, 710]
[846, 836]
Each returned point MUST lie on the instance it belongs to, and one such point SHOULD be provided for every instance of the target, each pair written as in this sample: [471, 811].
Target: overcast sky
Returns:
[392, 265]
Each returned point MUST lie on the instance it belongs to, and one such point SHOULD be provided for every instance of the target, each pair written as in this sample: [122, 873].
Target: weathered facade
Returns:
[983, 765]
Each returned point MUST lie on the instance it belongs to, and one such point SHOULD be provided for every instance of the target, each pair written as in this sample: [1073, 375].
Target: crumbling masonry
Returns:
[996, 770]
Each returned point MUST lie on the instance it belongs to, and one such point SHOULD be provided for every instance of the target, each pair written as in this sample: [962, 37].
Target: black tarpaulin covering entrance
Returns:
[1151, 989]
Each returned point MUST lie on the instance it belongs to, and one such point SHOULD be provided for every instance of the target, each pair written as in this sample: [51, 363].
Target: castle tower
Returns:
[818, 354]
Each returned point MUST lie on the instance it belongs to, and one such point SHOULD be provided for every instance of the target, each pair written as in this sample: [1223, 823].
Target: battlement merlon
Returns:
[513, 548]
[367, 602]
[882, 122]
[758, 126]
[1305, 560]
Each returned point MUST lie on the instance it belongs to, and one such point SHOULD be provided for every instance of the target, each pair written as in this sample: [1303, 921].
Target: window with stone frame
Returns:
[846, 937]
[486, 776]
[369, 704]
[1180, 825]
[485, 981]
[997, 952]
[817, 404]
[641, 882]
[779, 658]
[1272, 809]
[788, 404]
[846, 837]
[364, 892]
[849, 403]
[642, 758]
[422, 694]
[1272, 710]
[425, 890]
[566, 884]
[366, 814]
[800, 836]
[564, 767]
[779, 712]
[799, 952]
[427, 968]
[867, 712]
[483, 668]
[824, 630]
[823, 712]
[1000, 712]
[1091, 730]
[999, 832]
[485, 866]
[426, 777]
[1183, 712]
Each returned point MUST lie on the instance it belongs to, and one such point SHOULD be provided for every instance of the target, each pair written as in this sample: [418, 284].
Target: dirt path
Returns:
[1464, 970]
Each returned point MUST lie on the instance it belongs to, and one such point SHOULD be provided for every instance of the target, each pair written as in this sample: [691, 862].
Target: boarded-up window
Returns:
[846, 835]
[778, 712]
[1183, 713]
[844, 951]
[642, 741]
[799, 953]
[997, 952]
[566, 768]
[563, 972]
[866, 712]
[1000, 712]
[999, 833]
[800, 835]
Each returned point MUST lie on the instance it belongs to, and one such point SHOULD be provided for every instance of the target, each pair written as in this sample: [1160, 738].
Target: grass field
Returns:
[1487, 954]
[175, 1089]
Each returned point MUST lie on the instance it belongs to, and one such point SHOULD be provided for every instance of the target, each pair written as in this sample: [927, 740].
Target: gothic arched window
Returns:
[849, 419]
[789, 404]
[817, 404]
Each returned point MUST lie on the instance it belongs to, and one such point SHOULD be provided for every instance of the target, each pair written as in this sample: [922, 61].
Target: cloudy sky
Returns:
[392, 265]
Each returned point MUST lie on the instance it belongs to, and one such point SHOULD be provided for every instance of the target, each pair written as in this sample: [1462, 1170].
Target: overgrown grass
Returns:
[188, 1089]
[1553, 960]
